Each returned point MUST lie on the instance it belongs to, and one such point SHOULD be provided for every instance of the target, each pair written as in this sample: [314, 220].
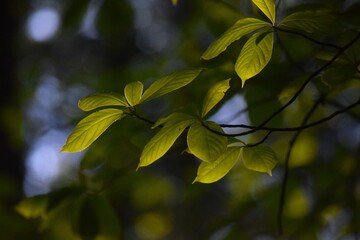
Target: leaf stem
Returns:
[133, 113]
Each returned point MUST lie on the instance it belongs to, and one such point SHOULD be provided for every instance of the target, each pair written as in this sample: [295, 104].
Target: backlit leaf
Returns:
[101, 100]
[90, 128]
[212, 172]
[174, 2]
[255, 55]
[260, 158]
[214, 95]
[169, 83]
[267, 7]
[204, 144]
[318, 22]
[133, 92]
[235, 32]
[164, 139]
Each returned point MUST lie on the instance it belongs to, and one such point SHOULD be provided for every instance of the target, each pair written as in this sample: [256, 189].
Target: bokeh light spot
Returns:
[43, 24]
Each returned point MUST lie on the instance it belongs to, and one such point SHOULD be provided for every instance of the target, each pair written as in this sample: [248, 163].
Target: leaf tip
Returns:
[242, 83]
[64, 149]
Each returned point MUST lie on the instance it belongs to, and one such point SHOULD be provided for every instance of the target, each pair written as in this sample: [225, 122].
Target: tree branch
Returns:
[287, 129]
[308, 38]
[286, 168]
[313, 75]
[259, 142]
[299, 91]
[133, 113]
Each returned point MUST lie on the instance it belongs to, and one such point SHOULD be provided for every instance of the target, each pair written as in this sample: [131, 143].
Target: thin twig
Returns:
[259, 142]
[341, 106]
[133, 113]
[286, 168]
[289, 129]
[299, 91]
[308, 38]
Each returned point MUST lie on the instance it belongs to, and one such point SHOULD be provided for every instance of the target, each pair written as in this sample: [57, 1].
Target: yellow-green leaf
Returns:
[164, 139]
[90, 128]
[101, 100]
[267, 7]
[318, 22]
[174, 2]
[212, 172]
[33, 207]
[255, 55]
[260, 158]
[214, 95]
[169, 83]
[204, 144]
[133, 92]
[235, 32]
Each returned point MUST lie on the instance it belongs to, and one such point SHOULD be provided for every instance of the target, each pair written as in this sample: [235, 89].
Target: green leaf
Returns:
[235, 32]
[165, 138]
[214, 95]
[90, 128]
[267, 7]
[204, 144]
[101, 100]
[318, 22]
[212, 172]
[260, 158]
[255, 55]
[133, 92]
[33, 207]
[169, 83]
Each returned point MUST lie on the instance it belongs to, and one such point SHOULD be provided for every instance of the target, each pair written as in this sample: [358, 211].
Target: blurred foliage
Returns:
[109, 199]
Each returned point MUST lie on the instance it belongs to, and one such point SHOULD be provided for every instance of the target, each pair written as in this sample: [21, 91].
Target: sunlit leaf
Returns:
[319, 22]
[133, 92]
[169, 83]
[267, 7]
[235, 32]
[174, 2]
[212, 172]
[164, 139]
[101, 100]
[255, 55]
[260, 158]
[214, 95]
[90, 128]
[204, 144]
[33, 207]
